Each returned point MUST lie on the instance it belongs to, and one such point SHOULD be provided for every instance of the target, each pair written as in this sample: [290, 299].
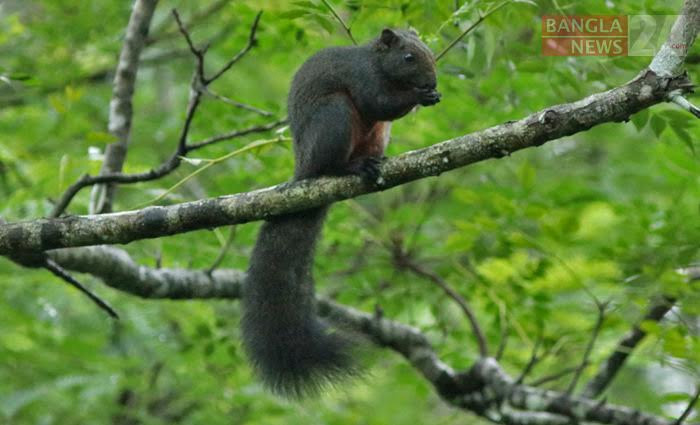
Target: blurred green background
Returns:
[526, 239]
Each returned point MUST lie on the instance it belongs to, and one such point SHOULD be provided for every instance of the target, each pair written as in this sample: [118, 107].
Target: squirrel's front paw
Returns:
[366, 167]
[427, 97]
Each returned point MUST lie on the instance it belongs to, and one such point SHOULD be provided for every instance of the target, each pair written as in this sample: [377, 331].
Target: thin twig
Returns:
[340, 20]
[197, 52]
[689, 408]
[503, 324]
[98, 76]
[165, 168]
[684, 103]
[534, 359]
[237, 104]
[586, 355]
[403, 261]
[192, 104]
[613, 364]
[57, 270]
[223, 251]
[235, 133]
[481, 19]
[553, 377]
[251, 43]
[209, 163]
[86, 180]
[160, 33]
[428, 209]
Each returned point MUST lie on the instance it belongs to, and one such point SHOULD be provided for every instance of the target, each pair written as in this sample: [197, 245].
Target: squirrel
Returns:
[341, 104]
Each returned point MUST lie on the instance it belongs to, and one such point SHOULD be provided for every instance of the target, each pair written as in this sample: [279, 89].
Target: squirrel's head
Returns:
[405, 59]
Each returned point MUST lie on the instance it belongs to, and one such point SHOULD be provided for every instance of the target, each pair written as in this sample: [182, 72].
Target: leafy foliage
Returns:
[528, 239]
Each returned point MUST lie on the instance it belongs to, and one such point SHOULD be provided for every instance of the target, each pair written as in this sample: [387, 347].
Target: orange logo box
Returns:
[586, 35]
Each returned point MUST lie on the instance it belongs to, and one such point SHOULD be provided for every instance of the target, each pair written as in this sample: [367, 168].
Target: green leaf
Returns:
[294, 14]
[658, 125]
[308, 5]
[324, 21]
[676, 397]
[685, 137]
[640, 119]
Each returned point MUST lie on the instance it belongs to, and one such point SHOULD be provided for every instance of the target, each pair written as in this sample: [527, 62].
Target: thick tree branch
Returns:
[117, 270]
[670, 59]
[485, 389]
[120, 107]
[649, 88]
[557, 121]
[499, 388]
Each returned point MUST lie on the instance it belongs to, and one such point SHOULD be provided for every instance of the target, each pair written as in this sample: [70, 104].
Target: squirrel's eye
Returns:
[408, 57]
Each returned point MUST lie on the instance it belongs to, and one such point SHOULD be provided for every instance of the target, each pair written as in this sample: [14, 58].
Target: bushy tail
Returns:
[294, 353]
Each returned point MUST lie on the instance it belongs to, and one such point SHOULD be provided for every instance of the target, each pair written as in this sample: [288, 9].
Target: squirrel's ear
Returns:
[388, 37]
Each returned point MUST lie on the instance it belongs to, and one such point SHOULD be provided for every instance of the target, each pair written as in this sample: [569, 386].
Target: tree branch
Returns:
[340, 20]
[555, 376]
[237, 104]
[165, 168]
[557, 121]
[58, 271]
[403, 260]
[118, 270]
[485, 389]
[251, 43]
[161, 33]
[120, 107]
[589, 347]
[499, 387]
[669, 61]
[470, 28]
[689, 408]
[235, 133]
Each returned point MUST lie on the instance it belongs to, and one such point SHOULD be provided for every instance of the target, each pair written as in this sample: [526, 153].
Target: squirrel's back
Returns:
[329, 71]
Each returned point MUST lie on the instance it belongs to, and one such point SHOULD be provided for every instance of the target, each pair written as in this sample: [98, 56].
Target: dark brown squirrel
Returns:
[341, 105]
